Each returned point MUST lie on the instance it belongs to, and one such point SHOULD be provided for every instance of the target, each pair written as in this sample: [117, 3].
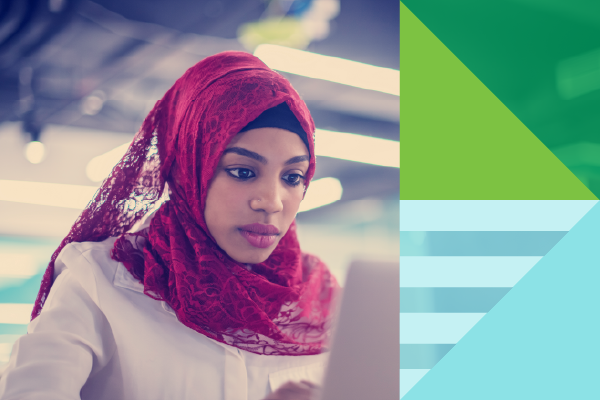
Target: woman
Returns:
[212, 298]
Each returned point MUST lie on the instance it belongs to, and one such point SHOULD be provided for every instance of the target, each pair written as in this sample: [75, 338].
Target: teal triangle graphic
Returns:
[541, 340]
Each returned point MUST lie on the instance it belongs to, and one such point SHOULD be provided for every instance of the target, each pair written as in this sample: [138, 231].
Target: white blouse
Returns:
[100, 337]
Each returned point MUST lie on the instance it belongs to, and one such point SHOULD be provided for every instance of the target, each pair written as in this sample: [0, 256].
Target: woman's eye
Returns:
[241, 173]
[293, 179]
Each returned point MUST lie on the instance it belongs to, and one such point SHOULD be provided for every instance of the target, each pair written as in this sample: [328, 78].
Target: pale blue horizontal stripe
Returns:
[9, 338]
[477, 243]
[492, 215]
[431, 328]
[450, 300]
[422, 356]
[13, 329]
[409, 378]
[464, 271]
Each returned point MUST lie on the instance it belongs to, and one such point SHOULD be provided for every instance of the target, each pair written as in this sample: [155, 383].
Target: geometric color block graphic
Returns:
[445, 297]
[409, 377]
[541, 340]
[541, 58]
[459, 142]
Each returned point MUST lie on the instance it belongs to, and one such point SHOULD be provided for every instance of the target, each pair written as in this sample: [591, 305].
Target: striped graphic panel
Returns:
[458, 259]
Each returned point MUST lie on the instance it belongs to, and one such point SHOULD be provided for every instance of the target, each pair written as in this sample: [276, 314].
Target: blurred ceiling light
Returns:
[47, 194]
[92, 104]
[35, 152]
[290, 23]
[320, 193]
[15, 313]
[328, 68]
[6, 349]
[99, 167]
[359, 148]
[286, 31]
[342, 145]
[18, 265]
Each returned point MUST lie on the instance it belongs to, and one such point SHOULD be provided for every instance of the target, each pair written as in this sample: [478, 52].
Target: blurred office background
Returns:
[77, 77]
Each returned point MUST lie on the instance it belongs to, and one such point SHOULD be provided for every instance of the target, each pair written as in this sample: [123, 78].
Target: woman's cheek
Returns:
[234, 197]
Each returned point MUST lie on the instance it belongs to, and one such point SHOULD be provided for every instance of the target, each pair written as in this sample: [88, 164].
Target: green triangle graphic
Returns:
[459, 142]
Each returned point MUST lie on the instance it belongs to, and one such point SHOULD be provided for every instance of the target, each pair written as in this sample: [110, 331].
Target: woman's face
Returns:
[255, 192]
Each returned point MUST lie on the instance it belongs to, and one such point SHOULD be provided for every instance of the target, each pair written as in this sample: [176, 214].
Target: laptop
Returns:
[365, 356]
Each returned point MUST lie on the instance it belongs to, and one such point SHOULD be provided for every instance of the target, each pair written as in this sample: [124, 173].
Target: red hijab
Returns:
[281, 306]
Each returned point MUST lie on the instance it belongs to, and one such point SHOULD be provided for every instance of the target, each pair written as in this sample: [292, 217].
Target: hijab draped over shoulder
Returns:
[280, 306]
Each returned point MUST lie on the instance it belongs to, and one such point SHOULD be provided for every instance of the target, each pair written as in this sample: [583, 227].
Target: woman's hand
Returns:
[304, 390]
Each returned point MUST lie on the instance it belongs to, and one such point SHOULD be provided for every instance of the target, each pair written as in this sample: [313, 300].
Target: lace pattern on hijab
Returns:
[281, 306]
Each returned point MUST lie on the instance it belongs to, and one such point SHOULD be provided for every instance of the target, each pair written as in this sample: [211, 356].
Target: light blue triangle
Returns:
[541, 341]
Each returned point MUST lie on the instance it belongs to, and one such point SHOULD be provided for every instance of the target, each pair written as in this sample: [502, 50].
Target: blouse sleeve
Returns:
[67, 342]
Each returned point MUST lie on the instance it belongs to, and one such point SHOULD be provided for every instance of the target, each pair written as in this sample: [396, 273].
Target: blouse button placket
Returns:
[236, 377]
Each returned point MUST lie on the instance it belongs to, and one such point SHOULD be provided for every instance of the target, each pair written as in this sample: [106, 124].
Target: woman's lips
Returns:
[259, 235]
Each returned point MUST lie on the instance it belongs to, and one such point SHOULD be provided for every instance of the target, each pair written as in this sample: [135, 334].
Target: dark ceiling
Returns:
[56, 53]
[84, 46]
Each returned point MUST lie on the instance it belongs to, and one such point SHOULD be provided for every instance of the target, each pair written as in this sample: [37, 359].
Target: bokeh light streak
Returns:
[358, 148]
[328, 68]
[47, 194]
[320, 193]
[15, 313]
[342, 145]
[18, 265]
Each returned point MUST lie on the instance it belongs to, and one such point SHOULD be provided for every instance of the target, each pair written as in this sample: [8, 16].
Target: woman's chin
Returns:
[245, 253]
[254, 256]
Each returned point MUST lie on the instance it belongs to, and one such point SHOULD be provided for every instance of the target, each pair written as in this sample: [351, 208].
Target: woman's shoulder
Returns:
[84, 258]
[87, 247]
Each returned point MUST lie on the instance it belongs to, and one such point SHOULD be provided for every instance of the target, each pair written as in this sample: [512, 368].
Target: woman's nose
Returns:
[267, 198]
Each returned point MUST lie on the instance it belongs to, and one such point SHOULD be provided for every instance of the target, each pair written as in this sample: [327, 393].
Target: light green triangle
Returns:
[459, 142]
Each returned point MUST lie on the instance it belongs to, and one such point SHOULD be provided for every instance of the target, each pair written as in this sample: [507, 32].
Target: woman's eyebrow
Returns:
[246, 153]
[297, 159]
[255, 156]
